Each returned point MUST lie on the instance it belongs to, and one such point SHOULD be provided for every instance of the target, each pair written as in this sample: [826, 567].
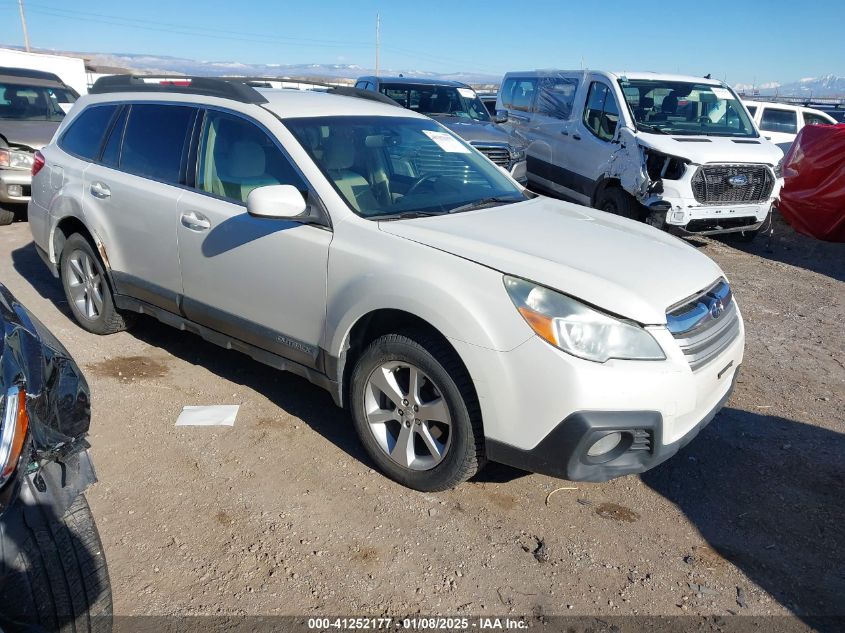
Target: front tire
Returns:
[416, 413]
[87, 288]
[53, 572]
[616, 201]
[7, 216]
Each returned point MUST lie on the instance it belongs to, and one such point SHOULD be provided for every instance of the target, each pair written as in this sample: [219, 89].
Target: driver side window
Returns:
[601, 114]
[236, 156]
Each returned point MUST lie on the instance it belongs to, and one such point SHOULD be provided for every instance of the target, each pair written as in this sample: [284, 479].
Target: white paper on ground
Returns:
[213, 415]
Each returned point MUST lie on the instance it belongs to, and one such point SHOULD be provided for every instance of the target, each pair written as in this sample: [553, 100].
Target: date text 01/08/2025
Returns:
[417, 623]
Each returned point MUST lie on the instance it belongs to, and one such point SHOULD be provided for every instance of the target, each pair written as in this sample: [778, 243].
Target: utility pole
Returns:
[23, 24]
[378, 40]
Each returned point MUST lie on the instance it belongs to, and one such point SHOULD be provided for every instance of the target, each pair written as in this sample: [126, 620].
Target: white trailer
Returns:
[70, 70]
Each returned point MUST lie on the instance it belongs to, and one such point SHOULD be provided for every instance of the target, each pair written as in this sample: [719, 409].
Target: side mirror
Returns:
[501, 116]
[283, 202]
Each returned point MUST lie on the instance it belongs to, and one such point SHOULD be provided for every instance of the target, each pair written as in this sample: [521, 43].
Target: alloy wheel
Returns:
[85, 284]
[407, 415]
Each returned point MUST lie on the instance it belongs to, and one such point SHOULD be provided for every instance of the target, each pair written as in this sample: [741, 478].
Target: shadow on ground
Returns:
[801, 251]
[766, 493]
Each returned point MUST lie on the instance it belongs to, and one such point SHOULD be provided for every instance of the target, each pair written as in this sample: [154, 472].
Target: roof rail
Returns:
[236, 90]
[348, 91]
[29, 73]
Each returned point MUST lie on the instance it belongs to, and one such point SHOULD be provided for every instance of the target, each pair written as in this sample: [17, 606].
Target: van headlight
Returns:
[579, 329]
[517, 154]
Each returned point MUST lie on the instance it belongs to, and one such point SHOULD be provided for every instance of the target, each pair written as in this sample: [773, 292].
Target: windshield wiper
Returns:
[645, 127]
[484, 203]
[406, 215]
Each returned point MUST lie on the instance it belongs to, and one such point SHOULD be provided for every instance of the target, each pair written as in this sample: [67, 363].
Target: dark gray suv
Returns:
[457, 106]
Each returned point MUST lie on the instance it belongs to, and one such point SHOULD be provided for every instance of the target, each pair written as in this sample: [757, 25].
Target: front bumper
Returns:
[563, 452]
[15, 178]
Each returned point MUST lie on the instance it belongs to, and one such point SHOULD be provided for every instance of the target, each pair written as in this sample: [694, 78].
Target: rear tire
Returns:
[53, 571]
[616, 201]
[6, 216]
[87, 288]
[444, 432]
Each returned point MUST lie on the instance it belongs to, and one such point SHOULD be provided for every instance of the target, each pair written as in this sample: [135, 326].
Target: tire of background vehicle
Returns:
[108, 319]
[464, 455]
[616, 201]
[53, 571]
[7, 216]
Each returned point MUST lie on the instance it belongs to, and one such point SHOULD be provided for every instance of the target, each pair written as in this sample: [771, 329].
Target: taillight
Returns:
[37, 162]
[13, 431]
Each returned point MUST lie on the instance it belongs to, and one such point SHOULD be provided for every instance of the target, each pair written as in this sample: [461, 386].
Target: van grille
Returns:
[715, 184]
[499, 154]
[705, 324]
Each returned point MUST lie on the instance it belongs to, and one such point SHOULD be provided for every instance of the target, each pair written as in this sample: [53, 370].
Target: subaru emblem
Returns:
[740, 180]
[717, 308]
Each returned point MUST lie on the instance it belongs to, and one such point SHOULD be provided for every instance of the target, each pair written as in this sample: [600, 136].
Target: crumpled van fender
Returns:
[626, 165]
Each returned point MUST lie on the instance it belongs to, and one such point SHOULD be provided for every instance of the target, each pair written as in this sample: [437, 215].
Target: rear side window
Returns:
[518, 93]
[111, 152]
[556, 97]
[775, 120]
[155, 140]
[815, 119]
[85, 134]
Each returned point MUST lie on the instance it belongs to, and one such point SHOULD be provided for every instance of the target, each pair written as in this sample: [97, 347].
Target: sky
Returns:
[751, 42]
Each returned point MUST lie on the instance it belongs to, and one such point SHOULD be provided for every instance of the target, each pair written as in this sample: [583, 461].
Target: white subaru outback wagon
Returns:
[365, 247]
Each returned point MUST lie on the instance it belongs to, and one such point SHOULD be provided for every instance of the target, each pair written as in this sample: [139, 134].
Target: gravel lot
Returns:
[284, 514]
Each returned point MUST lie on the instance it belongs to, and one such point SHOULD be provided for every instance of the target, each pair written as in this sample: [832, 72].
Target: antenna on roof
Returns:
[707, 76]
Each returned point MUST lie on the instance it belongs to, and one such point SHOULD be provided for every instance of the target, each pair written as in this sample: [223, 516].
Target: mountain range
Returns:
[165, 64]
[824, 86]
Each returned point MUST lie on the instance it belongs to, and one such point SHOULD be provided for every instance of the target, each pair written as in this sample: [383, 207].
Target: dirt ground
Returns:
[284, 514]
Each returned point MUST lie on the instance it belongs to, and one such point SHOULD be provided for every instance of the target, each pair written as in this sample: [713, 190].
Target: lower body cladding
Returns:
[551, 413]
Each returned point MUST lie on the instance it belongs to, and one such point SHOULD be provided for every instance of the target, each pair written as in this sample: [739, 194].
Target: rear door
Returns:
[133, 190]
[779, 125]
[260, 280]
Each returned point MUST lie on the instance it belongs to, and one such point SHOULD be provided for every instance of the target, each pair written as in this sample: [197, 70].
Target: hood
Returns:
[32, 134]
[478, 131]
[624, 267]
[713, 149]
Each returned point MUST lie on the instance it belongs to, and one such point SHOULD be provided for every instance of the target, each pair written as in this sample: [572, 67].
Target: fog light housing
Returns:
[15, 190]
[605, 444]
[678, 216]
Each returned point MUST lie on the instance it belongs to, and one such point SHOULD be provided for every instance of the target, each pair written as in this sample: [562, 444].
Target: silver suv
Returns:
[459, 318]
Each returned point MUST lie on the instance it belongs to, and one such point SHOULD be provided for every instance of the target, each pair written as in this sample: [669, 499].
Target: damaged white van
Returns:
[679, 152]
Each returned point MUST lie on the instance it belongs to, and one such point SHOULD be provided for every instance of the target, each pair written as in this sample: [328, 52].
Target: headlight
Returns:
[517, 154]
[14, 159]
[13, 425]
[578, 329]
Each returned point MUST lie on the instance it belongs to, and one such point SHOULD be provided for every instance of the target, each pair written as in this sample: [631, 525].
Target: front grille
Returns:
[499, 154]
[716, 184]
[705, 325]
[703, 225]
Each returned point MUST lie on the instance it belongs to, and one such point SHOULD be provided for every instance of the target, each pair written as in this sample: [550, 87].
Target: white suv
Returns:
[679, 152]
[781, 122]
[458, 317]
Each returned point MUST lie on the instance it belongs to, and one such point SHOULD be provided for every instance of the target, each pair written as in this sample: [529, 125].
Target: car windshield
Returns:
[676, 107]
[392, 167]
[438, 100]
[33, 103]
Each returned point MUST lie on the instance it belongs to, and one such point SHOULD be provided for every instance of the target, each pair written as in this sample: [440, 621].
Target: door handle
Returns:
[565, 132]
[195, 221]
[577, 137]
[100, 190]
